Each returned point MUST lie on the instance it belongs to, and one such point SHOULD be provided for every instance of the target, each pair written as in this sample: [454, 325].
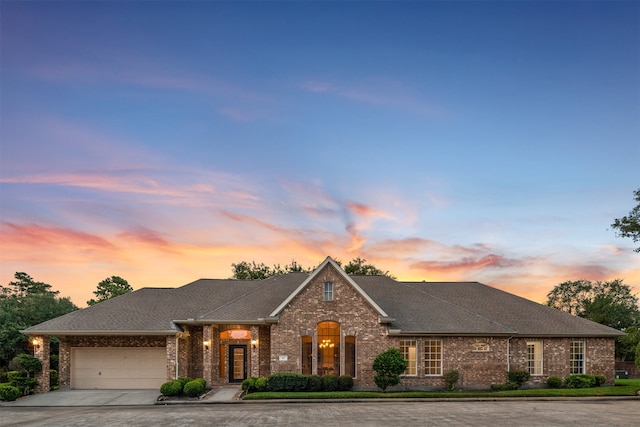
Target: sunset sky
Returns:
[442, 141]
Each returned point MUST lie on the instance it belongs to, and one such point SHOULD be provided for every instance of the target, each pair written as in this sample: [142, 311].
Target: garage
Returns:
[118, 367]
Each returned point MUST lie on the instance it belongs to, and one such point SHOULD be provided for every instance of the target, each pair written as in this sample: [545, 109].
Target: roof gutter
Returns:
[98, 333]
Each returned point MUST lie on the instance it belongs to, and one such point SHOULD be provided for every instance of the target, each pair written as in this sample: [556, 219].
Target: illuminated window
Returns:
[328, 291]
[408, 350]
[328, 348]
[576, 357]
[432, 357]
[236, 334]
[534, 357]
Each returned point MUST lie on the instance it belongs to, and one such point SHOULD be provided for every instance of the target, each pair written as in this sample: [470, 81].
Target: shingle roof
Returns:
[467, 308]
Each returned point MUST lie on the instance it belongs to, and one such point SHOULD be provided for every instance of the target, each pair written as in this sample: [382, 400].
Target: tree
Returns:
[608, 303]
[252, 271]
[110, 287]
[359, 267]
[629, 226]
[23, 303]
[389, 365]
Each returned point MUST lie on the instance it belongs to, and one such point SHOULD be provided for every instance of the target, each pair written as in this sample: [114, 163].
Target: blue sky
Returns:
[163, 141]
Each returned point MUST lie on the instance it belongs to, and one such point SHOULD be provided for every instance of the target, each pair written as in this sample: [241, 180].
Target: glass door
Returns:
[237, 363]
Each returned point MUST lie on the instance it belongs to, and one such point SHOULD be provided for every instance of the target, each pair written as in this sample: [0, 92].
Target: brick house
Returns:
[319, 323]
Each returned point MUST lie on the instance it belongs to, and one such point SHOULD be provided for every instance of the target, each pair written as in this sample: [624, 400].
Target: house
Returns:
[326, 322]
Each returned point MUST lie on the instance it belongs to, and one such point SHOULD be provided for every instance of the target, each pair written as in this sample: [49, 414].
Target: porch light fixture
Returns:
[35, 343]
[206, 344]
[254, 343]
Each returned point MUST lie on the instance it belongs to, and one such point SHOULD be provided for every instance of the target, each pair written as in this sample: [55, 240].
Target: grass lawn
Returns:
[622, 388]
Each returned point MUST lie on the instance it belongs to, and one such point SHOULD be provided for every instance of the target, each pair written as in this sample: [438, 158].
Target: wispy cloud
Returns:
[378, 93]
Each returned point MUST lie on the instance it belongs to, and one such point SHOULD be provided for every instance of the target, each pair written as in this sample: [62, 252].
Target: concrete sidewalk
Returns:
[72, 398]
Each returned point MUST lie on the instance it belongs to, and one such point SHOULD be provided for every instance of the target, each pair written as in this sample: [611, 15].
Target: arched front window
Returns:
[236, 334]
[328, 348]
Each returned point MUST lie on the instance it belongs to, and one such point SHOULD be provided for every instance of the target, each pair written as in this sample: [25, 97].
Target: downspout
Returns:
[177, 355]
[509, 353]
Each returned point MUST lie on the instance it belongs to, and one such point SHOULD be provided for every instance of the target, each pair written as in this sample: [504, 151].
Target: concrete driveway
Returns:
[88, 398]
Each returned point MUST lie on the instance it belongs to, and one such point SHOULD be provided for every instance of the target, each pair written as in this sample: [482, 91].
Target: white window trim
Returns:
[414, 345]
[538, 347]
[583, 367]
[328, 291]
[441, 357]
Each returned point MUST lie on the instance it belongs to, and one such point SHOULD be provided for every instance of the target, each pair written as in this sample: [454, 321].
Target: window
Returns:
[534, 357]
[328, 348]
[307, 355]
[328, 291]
[576, 357]
[433, 357]
[350, 356]
[408, 350]
[479, 347]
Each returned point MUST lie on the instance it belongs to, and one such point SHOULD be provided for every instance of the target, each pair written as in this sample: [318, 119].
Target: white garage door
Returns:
[118, 367]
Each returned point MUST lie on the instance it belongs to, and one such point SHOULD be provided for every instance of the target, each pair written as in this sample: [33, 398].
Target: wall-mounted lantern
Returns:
[206, 344]
[254, 344]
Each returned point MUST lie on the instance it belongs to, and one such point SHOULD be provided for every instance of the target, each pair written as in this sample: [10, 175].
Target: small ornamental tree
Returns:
[388, 366]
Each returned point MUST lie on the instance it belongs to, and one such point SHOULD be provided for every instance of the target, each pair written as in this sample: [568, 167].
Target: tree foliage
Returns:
[389, 365]
[23, 303]
[609, 303]
[110, 287]
[245, 270]
[252, 271]
[629, 226]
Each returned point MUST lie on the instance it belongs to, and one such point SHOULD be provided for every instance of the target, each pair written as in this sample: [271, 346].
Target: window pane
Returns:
[350, 356]
[433, 357]
[328, 291]
[408, 350]
[576, 357]
[307, 352]
[328, 348]
[534, 357]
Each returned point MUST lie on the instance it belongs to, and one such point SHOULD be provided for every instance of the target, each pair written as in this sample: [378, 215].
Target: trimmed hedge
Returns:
[580, 381]
[171, 388]
[314, 383]
[195, 387]
[287, 382]
[9, 393]
[518, 377]
[261, 384]
[329, 383]
[509, 385]
[554, 382]
[345, 383]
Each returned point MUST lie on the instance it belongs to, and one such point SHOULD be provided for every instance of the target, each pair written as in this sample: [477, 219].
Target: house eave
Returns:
[62, 333]
[200, 322]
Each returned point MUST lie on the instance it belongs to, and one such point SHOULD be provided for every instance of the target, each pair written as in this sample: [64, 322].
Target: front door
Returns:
[237, 363]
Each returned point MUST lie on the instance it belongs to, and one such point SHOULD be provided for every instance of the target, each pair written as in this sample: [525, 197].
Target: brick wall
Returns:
[348, 308]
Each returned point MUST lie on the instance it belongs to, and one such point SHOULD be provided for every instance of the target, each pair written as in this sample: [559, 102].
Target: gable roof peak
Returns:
[329, 261]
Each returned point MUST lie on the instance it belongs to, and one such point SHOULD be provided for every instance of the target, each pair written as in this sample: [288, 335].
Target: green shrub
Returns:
[287, 382]
[314, 383]
[21, 381]
[171, 388]
[600, 379]
[345, 383]
[195, 387]
[554, 382]
[3, 376]
[184, 380]
[388, 366]
[27, 363]
[580, 381]
[451, 379]
[261, 384]
[54, 379]
[509, 385]
[9, 393]
[330, 383]
[249, 385]
[518, 377]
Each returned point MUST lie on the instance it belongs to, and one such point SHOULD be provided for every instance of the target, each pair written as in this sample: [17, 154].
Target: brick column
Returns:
[41, 351]
[207, 353]
[172, 356]
[255, 353]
